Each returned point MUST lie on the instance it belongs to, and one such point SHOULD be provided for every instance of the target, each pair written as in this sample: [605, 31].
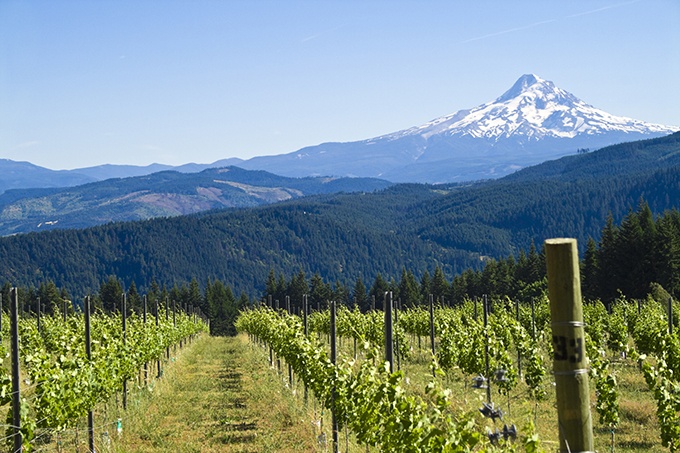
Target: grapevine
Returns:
[64, 383]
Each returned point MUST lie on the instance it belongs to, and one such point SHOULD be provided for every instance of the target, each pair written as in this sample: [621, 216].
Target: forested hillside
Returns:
[633, 259]
[623, 159]
[499, 218]
[162, 194]
[341, 237]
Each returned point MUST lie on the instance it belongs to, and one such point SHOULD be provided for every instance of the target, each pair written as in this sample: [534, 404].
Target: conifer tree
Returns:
[297, 288]
[378, 290]
[109, 294]
[359, 296]
[409, 290]
[134, 300]
[425, 286]
[50, 298]
[607, 270]
[589, 271]
[439, 286]
[340, 293]
[319, 293]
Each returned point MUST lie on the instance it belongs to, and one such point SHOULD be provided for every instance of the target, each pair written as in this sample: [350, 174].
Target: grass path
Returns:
[220, 396]
[217, 398]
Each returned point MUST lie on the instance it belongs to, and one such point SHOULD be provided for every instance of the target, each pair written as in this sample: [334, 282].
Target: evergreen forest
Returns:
[454, 241]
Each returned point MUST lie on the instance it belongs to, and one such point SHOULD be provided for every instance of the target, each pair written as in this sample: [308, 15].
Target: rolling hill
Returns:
[350, 235]
[162, 194]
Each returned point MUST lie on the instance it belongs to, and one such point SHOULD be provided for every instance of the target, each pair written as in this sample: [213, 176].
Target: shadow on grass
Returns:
[235, 432]
[240, 426]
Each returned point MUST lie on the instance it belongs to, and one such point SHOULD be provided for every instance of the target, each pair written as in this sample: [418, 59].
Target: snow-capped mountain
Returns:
[532, 122]
[535, 109]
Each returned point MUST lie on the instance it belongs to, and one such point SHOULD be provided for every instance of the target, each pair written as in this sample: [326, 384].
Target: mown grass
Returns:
[218, 397]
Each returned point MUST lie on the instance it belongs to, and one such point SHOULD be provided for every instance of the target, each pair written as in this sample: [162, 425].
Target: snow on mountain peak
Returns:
[532, 109]
[522, 85]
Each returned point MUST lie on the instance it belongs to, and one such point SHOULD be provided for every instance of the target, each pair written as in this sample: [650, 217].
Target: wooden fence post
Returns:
[334, 357]
[431, 301]
[389, 338]
[486, 347]
[670, 316]
[124, 315]
[305, 309]
[570, 360]
[16, 377]
[88, 351]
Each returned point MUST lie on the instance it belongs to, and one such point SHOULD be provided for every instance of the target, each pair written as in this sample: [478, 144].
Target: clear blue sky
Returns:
[85, 83]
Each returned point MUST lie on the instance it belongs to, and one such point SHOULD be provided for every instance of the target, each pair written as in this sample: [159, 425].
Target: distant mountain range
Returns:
[171, 193]
[345, 236]
[532, 122]
[161, 194]
[25, 175]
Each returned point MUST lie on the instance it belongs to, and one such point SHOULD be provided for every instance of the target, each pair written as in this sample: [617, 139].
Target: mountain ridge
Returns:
[623, 159]
[170, 193]
[162, 194]
[532, 122]
[345, 236]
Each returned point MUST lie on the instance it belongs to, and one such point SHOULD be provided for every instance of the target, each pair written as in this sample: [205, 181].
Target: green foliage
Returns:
[67, 383]
[368, 398]
[633, 259]
[346, 236]
[666, 391]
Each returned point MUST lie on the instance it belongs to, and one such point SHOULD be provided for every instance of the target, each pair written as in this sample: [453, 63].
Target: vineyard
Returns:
[490, 378]
[487, 374]
[65, 366]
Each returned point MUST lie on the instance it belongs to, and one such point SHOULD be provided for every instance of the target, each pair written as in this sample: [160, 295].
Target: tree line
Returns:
[640, 255]
[215, 300]
[341, 237]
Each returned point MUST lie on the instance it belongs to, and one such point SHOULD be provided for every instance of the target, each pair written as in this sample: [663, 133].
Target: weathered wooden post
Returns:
[167, 319]
[334, 357]
[353, 336]
[519, 354]
[305, 309]
[533, 319]
[670, 315]
[146, 364]
[397, 307]
[389, 331]
[290, 367]
[88, 351]
[16, 377]
[486, 347]
[570, 361]
[431, 300]
[124, 315]
[39, 310]
[158, 361]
